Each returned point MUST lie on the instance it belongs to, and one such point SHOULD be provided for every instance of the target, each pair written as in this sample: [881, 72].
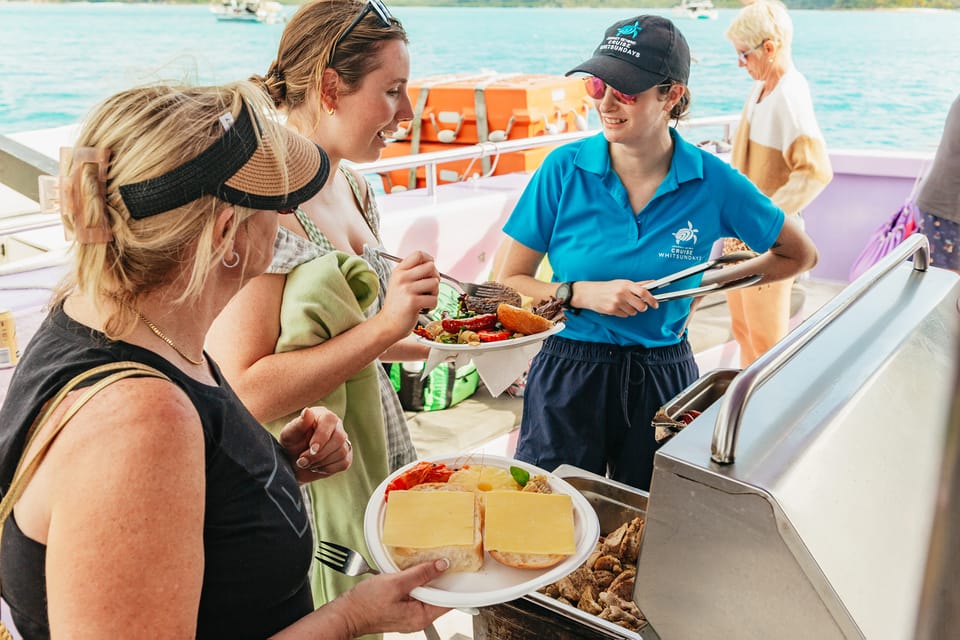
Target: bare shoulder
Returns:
[131, 415]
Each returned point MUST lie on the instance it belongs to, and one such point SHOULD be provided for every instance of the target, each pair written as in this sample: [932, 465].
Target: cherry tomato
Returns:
[494, 335]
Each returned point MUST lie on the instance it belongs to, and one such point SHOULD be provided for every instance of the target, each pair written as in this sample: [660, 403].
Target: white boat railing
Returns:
[431, 161]
[21, 166]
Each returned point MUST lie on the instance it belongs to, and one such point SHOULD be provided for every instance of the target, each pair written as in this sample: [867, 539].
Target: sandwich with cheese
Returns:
[434, 520]
[528, 530]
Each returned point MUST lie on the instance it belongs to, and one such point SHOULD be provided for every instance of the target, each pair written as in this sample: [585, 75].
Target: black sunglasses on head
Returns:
[378, 7]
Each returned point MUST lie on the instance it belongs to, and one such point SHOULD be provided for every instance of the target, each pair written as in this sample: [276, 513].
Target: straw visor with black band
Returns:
[237, 169]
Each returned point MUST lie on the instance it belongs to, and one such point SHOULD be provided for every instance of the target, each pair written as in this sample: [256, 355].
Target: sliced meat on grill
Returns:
[622, 585]
[588, 601]
[609, 563]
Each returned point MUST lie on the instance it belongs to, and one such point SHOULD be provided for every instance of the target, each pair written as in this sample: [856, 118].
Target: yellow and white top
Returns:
[779, 146]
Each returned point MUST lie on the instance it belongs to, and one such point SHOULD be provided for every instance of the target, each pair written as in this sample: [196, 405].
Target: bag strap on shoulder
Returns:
[26, 468]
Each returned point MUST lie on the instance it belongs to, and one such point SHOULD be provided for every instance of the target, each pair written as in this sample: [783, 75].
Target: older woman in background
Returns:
[778, 145]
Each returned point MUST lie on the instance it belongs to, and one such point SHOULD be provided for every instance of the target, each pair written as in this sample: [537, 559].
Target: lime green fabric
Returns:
[323, 298]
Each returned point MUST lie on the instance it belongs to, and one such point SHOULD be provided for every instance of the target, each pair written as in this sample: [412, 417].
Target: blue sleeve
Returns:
[534, 216]
[750, 215]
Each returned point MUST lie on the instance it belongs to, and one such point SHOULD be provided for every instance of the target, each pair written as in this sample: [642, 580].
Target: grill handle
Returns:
[723, 447]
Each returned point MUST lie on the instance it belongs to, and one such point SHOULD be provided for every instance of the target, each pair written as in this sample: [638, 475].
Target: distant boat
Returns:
[696, 9]
[248, 11]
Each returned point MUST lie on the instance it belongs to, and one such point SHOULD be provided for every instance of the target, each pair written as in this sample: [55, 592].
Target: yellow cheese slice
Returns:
[428, 519]
[519, 522]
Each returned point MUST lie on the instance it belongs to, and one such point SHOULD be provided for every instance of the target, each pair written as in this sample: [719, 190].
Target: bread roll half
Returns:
[521, 320]
[463, 557]
[527, 560]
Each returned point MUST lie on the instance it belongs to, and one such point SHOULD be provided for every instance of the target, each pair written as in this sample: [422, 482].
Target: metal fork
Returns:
[343, 559]
[477, 289]
[352, 563]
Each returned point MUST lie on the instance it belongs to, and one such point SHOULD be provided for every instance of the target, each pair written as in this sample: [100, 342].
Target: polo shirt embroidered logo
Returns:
[686, 235]
[685, 243]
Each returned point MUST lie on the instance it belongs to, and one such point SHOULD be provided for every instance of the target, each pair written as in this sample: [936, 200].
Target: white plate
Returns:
[495, 582]
[495, 346]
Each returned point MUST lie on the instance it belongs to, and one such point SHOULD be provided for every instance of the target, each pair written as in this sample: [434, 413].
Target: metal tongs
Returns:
[716, 263]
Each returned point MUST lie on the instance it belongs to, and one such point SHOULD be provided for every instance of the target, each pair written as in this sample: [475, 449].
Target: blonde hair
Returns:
[760, 21]
[306, 49]
[149, 132]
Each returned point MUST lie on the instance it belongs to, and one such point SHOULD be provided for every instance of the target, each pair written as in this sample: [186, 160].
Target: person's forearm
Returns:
[406, 350]
[283, 383]
[326, 622]
[773, 265]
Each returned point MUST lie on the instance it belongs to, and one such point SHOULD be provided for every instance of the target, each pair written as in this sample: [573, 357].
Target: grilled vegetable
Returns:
[473, 323]
[494, 335]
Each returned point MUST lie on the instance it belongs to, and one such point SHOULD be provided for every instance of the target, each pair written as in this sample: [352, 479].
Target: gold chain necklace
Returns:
[159, 334]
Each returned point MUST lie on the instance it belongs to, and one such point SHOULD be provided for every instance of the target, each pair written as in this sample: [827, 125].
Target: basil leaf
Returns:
[522, 476]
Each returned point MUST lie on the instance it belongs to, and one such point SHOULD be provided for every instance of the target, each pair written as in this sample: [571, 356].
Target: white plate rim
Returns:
[495, 346]
[586, 531]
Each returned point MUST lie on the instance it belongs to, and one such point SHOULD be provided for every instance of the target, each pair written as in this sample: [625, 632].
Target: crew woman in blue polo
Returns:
[613, 211]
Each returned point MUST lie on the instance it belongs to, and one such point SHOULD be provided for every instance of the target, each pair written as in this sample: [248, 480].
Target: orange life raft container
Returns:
[467, 109]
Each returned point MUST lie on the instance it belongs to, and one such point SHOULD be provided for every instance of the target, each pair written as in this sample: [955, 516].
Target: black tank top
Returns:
[256, 536]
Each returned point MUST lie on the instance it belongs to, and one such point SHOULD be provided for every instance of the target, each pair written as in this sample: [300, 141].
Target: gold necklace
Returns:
[159, 334]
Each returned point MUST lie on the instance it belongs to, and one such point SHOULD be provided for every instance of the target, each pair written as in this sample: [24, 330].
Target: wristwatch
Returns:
[564, 294]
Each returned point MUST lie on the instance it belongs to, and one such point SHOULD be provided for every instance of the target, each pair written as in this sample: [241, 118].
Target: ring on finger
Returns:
[349, 445]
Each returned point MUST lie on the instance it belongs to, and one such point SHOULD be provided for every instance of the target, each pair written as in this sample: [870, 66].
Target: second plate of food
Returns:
[494, 582]
[509, 343]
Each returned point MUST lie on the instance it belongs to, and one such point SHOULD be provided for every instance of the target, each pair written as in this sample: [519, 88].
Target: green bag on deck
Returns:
[446, 385]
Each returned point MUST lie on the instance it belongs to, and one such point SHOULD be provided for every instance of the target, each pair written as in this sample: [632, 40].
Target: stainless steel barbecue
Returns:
[800, 503]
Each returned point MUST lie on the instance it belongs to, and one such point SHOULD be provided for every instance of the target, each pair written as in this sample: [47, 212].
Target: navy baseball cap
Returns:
[639, 53]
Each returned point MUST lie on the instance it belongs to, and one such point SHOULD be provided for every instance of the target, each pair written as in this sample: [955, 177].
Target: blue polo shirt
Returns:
[576, 209]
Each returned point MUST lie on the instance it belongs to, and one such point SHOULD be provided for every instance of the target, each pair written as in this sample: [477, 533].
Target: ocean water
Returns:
[880, 79]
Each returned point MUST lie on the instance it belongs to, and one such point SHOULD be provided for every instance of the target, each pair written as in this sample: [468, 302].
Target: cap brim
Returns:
[260, 183]
[620, 75]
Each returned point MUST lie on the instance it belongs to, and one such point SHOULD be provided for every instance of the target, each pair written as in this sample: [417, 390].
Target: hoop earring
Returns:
[331, 111]
[234, 262]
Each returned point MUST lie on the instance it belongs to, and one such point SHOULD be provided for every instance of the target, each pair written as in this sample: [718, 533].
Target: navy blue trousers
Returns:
[591, 405]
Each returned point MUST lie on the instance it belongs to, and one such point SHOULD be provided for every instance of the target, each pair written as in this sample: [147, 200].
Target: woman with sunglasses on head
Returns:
[613, 212]
[163, 509]
[329, 308]
[778, 145]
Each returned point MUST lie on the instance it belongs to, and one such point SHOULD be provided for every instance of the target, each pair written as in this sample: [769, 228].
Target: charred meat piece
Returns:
[608, 599]
[621, 617]
[567, 591]
[551, 309]
[630, 547]
[551, 590]
[609, 563]
[604, 578]
[624, 542]
[622, 585]
[588, 601]
[611, 544]
[489, 303]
